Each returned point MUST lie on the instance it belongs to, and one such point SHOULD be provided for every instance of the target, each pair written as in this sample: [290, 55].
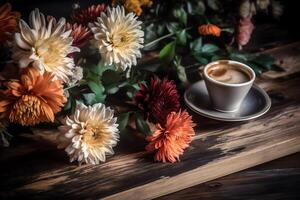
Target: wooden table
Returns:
[279, 179]
[35, 169]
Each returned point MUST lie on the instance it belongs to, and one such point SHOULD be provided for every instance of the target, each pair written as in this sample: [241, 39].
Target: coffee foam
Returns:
[228, 73]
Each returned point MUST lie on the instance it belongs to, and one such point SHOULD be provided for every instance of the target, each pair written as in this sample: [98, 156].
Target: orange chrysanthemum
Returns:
[90, 14]
[170, 140]
[209, 29]
[32, 99]
[8, 22]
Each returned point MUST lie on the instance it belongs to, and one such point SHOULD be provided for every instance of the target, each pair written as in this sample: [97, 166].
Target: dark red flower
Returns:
[80, 34]
[158, 100]
[90, 14]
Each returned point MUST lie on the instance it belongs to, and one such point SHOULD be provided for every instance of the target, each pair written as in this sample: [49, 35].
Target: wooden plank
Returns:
[279, 179]
[288, 57]
[37, 168]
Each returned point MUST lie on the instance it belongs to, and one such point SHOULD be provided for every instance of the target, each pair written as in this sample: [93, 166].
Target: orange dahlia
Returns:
[158, 100]
[80, 34]
[169, 141]
[209, 29]
[90, 14]
[8, 22]
[32, 99]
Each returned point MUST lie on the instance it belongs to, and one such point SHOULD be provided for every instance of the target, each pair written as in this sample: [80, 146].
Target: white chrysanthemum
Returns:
[45, 45]
[90, 134]
[119, 37]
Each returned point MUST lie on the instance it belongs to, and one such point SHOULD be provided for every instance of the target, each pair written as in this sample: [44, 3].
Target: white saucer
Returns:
[255, 104]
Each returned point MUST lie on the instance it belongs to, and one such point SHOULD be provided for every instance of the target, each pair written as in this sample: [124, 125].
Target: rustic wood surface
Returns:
[276, 180]
[34, 168]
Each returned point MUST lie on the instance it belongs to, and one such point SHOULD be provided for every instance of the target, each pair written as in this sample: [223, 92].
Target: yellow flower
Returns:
[90, 134]
[45, 45]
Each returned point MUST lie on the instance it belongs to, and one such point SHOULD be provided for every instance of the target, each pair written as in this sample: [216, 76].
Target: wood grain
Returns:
[276, 180]
[34, 168]
[288, 57]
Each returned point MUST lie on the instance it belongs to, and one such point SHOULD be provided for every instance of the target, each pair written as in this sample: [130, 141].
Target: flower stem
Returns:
[163, 37]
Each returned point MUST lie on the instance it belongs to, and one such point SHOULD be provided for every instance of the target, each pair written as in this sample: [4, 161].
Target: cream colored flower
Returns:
[119, 37]
[90, 134]
[46, 45]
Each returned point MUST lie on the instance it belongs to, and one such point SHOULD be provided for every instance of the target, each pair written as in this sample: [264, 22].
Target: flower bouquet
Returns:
[83, 74]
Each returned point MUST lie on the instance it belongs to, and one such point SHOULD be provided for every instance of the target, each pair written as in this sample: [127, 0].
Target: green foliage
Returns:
[180, 70]
[141, 124]
[182, 37]
[195, 7]
[214, 4]
[123, 120]
[168, 52]
[181, 15]
[98, 90]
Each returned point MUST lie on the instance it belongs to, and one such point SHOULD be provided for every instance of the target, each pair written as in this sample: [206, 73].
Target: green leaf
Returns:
[181, 36]
[136, 86]
[238, 57]
[201, 59]
[98, 89]
[168, 52]
[142, 125]
[100, 68]
[213, 4]
[90, 98]
[130, 94]
[209, 48]
[195, 8]
[181, 73]
[216, 57]
[196, 45]
[123, 120]
[180, 14]
[173, 27]
[112, 89]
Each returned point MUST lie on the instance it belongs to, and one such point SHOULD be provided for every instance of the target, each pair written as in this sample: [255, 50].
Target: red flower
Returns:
[80, 34]
[158, 100]
[90, 14]
[170, 140]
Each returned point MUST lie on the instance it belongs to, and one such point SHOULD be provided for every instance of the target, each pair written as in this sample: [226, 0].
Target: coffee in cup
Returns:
[228, 73]
[228, 83]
